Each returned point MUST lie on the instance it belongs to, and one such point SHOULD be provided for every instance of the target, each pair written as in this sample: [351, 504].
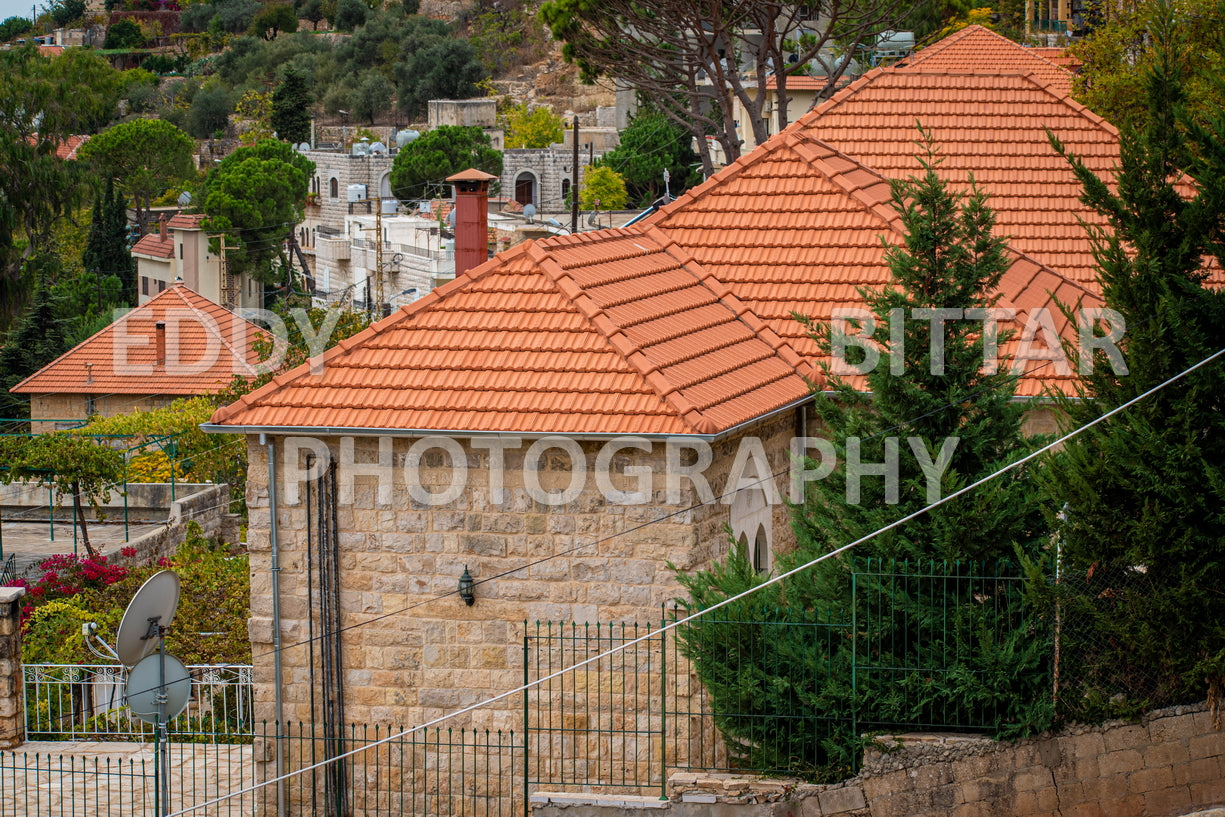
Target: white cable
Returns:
[716, 606]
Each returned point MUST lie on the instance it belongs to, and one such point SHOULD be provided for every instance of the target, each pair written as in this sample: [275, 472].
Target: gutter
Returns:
[341, 431]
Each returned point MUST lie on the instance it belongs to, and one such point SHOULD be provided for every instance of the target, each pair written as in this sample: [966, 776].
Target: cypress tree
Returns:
[106, 249]
[291, 101]
[1142, 532]
[796, 697]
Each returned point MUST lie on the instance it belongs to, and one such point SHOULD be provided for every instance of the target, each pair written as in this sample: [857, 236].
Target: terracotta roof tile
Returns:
[206, 345]
[684, 323]
[976, 48]
[154, 245]
[186, 221]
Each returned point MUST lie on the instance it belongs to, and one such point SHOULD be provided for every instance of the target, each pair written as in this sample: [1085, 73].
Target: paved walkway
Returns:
[31, 542]
[104, 778]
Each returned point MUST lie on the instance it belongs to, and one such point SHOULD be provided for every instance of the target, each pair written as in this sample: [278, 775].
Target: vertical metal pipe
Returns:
[277, 669]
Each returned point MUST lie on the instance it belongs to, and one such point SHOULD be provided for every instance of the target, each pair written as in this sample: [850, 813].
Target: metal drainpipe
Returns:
[276, 621]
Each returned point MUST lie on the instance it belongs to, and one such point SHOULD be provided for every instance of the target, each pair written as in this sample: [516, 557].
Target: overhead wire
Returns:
[522, 688]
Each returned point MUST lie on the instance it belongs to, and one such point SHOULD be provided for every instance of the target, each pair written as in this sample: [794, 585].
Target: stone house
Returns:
[176, 344]
[566, 420]
[179, 251]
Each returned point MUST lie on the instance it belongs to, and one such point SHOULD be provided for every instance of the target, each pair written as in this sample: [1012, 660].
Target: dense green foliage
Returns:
[1143, 527]
[291, 102]
[1120, 49]
[143, 156]
[36, 340]
[532, 127]
[273, 19]
[602, 189]
[420, 168]
[255, 196]
[14, 27]
[106, 255]
[124, 34]
[651, 145]
[949, 259]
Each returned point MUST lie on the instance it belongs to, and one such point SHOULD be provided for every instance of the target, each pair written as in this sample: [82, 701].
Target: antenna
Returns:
[158, 685]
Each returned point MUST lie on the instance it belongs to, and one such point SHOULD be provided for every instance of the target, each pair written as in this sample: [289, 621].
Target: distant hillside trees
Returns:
[14, 27]
[124, 34]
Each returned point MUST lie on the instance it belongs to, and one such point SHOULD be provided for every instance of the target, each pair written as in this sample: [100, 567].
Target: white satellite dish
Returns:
[305, 146]
[529, 212]
[184, 199]
[145, 682]
[151, 609]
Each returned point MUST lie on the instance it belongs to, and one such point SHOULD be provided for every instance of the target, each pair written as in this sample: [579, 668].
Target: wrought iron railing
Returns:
[86, 702]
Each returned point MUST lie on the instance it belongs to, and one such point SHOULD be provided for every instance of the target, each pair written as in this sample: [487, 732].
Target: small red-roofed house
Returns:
[177, 344]
[179, 251]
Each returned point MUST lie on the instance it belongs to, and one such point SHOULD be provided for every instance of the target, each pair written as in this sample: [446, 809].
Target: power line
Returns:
[720, 604]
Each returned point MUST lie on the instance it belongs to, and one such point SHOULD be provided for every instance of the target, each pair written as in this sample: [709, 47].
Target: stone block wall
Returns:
[1169, 763]
[12, 696]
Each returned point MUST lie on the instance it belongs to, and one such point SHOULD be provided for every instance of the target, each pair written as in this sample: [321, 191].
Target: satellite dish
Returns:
[157, 599]
[529, 211]
[145, 683]
[305, 146]
[552, 222]
[184, 199]
[378, 148]
[406, 137]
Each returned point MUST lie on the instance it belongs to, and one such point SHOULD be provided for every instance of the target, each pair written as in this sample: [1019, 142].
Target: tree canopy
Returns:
[291, 102]
[256, 197]
[533, 127]
[651, 146]
[144, 156]
[1143, 524]
[669, 50]
[273, 19]
[421, 167]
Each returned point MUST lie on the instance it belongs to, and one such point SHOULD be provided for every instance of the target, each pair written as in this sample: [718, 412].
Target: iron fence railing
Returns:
[438, 772]
[86, 702]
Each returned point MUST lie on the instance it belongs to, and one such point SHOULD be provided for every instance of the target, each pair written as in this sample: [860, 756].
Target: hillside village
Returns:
[550, 407]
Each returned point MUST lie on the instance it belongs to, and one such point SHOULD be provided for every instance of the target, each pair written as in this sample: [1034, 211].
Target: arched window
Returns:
[334, 188]
[565, 190]
[751, 520]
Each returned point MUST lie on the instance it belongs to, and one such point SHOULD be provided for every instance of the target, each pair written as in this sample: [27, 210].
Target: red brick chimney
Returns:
[159, 344]
[471, 218]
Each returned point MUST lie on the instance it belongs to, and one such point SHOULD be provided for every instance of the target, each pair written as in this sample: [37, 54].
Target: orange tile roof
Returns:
[1061, 56]
[616, 331]
[992, 125]
[799, 82]
[186, 221]
[679, 325]
[976, 48]
[122, 356]
[796, 227]
[154, 245]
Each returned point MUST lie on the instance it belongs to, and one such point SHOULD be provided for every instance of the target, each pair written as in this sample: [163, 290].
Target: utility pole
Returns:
[574, 188]
[378, 294]
[227, 290]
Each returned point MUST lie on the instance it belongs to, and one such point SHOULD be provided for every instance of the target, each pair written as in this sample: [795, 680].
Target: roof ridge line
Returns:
[876, 205]
[215, 329]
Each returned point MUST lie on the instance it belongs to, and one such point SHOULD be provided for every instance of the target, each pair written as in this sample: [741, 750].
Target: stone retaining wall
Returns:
[12, 716]
[1171, 762]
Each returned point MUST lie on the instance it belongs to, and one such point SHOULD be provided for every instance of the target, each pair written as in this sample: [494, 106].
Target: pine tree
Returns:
[1143, 527]
[291, 102]
[798, 696]
[36, 340]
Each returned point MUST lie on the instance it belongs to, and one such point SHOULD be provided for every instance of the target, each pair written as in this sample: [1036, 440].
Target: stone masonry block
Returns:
[1123, 761]
[841, 800]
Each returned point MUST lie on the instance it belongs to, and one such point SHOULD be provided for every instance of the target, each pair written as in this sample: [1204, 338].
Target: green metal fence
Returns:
[908, 643]
[623, 722]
